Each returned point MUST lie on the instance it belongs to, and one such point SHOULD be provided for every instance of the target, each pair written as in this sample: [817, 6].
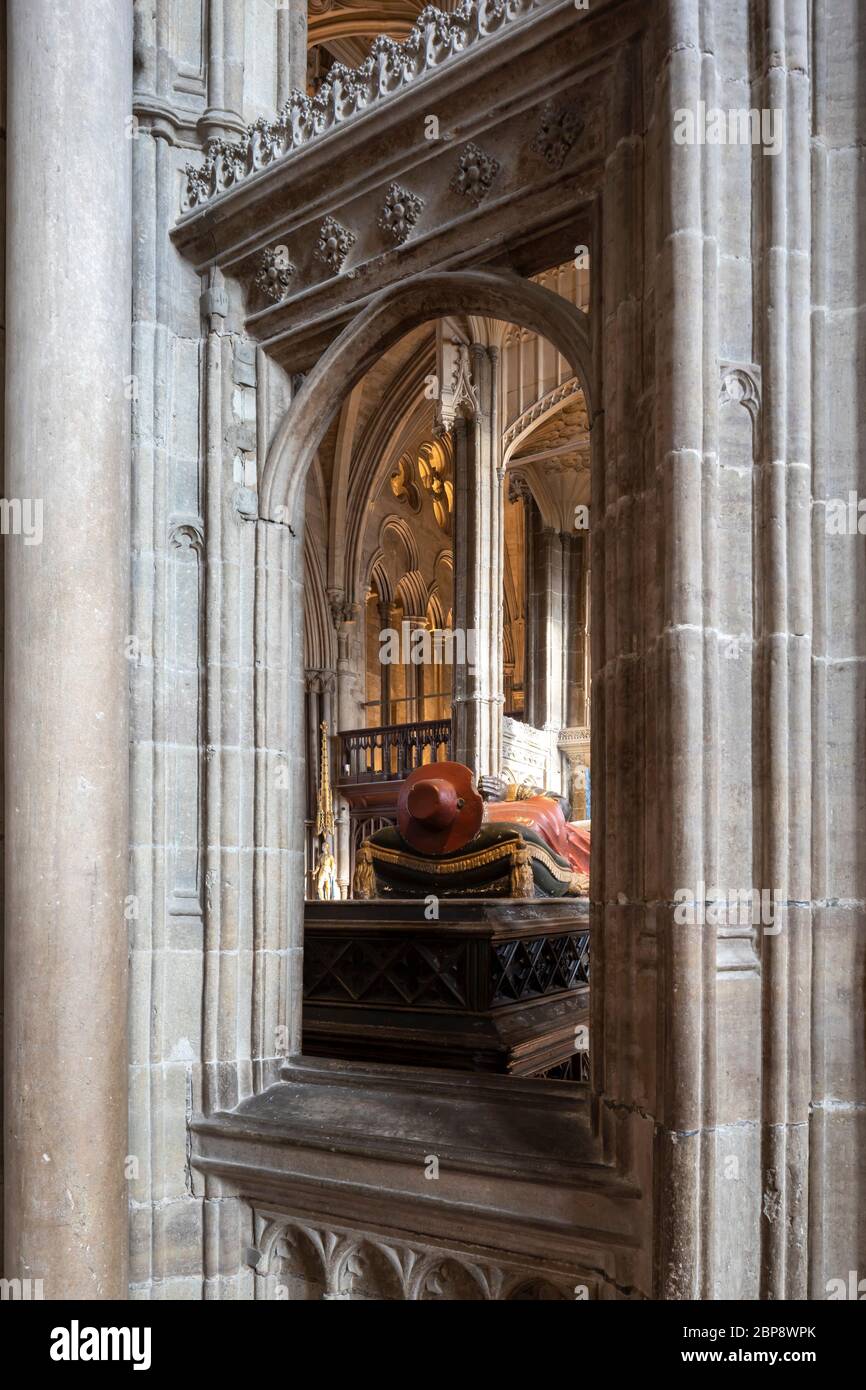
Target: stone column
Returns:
[319, 692]
[413, 673]
[312, 706]
[508, 682]
[3, 51]
[573, 737]
[348, 699]
[67, 447]
[547, 634]
[530, 644]
[519, 491]
[291, 49]
[576, 645]
[384, 611]
[223, 119]
[783, 659]
[478, 565]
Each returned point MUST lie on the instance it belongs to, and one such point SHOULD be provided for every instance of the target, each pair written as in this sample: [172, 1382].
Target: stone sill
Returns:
[517, 1160]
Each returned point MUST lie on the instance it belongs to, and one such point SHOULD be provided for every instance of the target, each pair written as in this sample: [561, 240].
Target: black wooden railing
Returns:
[390, 752]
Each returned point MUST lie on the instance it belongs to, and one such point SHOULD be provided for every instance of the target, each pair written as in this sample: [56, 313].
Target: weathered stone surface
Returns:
[65, 706]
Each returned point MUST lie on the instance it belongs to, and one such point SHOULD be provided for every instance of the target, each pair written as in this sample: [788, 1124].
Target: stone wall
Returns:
[210, 847]
[836, 814]
[726, 699]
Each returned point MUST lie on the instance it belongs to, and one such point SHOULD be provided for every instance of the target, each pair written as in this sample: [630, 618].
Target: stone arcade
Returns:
[336, 320]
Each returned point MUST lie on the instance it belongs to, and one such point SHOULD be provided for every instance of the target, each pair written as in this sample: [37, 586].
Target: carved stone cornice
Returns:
[274, 1149]
[389, 68]
[164, 121]
[284, 202]
[574, 743]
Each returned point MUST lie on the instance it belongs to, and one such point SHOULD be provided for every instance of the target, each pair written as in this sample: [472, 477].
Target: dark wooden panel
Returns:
[489, 986]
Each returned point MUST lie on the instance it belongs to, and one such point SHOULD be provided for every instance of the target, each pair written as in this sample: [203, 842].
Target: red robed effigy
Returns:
[449, 842]
[544, 815]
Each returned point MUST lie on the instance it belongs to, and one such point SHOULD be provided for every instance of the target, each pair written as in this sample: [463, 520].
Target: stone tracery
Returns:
[287, 425]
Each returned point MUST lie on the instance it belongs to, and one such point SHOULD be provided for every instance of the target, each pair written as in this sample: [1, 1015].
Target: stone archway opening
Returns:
[508, 305]
[495, 294]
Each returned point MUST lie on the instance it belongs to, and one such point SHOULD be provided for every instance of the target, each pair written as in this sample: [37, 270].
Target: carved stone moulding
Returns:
[576, 737]
[343, 609]
[518, 487]
[525, 737]
[320, 682]
[335, 242]
[400, 212]
[186, 535]
[548, 402]
[740, 384]
[459, 391]
[475, 173]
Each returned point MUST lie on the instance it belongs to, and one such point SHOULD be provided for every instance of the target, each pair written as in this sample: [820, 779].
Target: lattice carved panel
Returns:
[375, 972]
[523, 969]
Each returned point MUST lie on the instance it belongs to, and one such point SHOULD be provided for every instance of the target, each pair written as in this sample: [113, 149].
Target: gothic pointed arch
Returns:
[389, 315]
[390, 436]
[380, 579]
[412, 592]
[399, 527]
[435, 611]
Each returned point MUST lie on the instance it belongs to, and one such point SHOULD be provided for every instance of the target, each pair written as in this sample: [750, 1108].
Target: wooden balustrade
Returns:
[389, 752]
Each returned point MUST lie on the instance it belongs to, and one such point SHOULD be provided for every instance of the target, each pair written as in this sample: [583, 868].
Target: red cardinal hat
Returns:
[438, 808]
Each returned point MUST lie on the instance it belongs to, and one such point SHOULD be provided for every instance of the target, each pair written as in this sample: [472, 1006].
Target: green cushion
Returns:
[403, 872]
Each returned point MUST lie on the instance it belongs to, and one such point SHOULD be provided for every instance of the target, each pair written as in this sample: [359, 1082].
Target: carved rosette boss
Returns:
[475, 173]
[334, 244]
[557, 132]
[274, 275]
[399, 213]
